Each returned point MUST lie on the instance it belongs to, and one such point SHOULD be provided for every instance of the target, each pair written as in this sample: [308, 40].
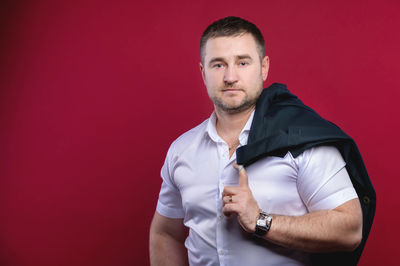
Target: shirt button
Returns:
[221, 216]
[222, 252]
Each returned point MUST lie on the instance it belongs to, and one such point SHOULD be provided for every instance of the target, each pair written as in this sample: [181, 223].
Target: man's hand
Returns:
[240, 200]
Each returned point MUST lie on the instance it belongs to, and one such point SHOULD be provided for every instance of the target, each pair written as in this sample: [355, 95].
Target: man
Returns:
[276, 211]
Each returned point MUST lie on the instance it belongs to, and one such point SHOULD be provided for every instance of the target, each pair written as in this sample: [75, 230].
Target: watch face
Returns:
[262, 223]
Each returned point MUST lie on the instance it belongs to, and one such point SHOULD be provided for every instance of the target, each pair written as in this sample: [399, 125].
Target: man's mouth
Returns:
[231, 89]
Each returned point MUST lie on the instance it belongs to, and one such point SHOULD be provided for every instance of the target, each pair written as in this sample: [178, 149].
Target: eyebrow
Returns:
[245, 56]
[221, 59]
[215, 59]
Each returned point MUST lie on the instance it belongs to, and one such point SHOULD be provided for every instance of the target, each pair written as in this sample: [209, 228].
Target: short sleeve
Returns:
[323, 181]
[169, 200]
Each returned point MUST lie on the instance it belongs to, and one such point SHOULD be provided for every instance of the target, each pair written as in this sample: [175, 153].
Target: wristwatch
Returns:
[263, 224]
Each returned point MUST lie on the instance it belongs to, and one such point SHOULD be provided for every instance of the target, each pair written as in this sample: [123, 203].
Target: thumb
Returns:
[243, 178]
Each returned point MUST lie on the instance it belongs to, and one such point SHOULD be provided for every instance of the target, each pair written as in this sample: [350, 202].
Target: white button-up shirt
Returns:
[198, 167]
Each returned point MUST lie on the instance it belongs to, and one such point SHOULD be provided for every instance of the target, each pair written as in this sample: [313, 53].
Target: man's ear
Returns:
[202, 72]
[265, 67]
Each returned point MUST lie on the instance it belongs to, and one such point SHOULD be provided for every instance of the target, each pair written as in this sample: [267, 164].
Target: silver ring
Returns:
[230, 199]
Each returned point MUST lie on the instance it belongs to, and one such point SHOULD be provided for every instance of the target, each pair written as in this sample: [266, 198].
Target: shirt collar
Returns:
[211, 129]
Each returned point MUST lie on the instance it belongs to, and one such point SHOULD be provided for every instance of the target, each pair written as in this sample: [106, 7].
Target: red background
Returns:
[93, 93]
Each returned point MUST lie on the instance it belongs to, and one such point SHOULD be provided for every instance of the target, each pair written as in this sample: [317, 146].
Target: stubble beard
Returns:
[246, 103]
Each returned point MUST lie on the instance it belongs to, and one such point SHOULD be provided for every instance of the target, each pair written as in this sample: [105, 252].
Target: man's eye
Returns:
[218, 65]
[243, 63]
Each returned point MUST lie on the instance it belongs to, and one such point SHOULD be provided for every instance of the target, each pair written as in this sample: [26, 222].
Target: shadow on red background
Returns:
[92, 94]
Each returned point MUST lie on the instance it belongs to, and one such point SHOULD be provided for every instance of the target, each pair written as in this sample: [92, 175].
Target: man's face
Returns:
[233, 72]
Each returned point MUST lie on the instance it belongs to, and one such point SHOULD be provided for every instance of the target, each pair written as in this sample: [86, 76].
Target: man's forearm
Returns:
[321, 231]
[339, 229]
[164, 250]
[167, 237]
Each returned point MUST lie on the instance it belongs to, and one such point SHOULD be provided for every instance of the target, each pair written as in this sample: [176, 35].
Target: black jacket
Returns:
[283, 123]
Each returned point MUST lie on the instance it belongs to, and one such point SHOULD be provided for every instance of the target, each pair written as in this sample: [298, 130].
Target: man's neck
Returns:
[229, 125]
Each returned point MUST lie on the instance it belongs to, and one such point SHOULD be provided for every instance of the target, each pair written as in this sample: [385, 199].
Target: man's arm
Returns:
[167, 237]
[339, 229]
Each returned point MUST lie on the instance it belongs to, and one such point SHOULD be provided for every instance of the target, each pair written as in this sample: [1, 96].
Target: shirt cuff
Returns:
[335, 200]
[169, 212]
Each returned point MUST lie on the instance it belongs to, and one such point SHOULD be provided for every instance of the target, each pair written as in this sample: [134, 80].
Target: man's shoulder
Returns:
[189, 138]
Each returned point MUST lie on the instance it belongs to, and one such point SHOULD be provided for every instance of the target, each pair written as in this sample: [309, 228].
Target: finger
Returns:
[227, 199]
[229, 209]
[227, 214]
[230, 190]
[243, 178]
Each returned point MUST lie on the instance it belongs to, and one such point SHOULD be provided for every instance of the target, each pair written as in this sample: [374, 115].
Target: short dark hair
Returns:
[232, 26]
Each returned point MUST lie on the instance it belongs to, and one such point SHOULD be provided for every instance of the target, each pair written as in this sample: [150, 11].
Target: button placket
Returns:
[224, 162]
[223, 151]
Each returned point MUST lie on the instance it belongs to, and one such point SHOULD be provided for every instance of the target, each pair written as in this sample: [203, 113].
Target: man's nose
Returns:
[230, 75]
